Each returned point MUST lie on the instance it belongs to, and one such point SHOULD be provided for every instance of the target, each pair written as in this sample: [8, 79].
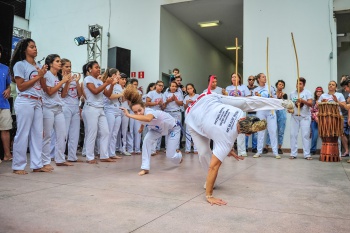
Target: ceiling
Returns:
[230, 14]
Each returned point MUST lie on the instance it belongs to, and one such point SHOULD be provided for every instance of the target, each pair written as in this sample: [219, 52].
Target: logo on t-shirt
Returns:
[233, 93]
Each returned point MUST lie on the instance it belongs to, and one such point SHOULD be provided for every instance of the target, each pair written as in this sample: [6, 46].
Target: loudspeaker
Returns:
[119, 58]
[6, 29]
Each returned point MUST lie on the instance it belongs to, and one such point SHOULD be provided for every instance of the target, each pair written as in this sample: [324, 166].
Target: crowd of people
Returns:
[54, 105]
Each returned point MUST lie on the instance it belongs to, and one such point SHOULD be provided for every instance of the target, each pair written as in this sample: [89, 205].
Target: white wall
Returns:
[134, 24]
[311, 22]
[341, 5]
[21, 23]
[182, 48]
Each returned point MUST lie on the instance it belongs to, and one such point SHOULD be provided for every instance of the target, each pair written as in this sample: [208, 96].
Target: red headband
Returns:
[319, 89]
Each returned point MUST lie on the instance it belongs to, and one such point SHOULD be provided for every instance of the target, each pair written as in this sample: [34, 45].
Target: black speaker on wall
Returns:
[6, 29]
[119, 58]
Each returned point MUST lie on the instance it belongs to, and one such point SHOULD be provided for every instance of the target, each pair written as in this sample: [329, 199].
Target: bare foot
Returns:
[94, 161]
[48, 166]
[196, 152]
[143, 172]
[115, 157]
[182, 159]
[107, 160]
[20, 172]
[8, 157]
[64, 164]
[43, 169]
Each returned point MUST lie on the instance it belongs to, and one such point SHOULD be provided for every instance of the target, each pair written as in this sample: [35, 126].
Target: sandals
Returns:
[292, 157]
[345, 155]
[309, 158]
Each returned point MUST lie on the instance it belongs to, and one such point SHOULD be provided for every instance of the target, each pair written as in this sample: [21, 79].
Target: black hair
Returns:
[194, 89]
[49, 60]
[210, 76]
[240, 81]
[134, 80]
[149, 87]
[345, 82]
[1, 49]
[303, 80]
[280, 81]
[19, 53]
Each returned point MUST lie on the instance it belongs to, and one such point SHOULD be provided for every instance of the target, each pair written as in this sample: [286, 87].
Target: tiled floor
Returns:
[263, 195]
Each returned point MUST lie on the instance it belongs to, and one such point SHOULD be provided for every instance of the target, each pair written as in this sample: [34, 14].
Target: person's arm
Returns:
[112, 82]
[141, 128]
[306, 102]
[144, 118]
[177, 101]
[96, 90]
[149, 102]
[25, 85]
[82, 90]
[79, 89]
[7, 92]
[54, 89]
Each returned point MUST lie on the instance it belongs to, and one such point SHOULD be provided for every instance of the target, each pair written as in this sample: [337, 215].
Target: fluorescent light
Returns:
[233, 47]
[209, 24]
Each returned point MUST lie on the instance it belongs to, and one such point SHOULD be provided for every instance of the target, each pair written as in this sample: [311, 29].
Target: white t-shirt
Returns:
[162, 121]
[27, 71]
[114, 104]
[91, 99]
[72, 97]
[172, 106]
[217, 90]
[305, 95]
[155, 98]
[209, 117]
[241, 89]
[264, 91]
[193, 98]
[329, 98]
[54, 99]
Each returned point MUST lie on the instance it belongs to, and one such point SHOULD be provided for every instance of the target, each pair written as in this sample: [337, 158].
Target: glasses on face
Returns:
[250, 79]
[160, 85]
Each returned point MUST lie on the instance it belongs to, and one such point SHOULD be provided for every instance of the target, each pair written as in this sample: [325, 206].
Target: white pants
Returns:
[95, 122]
[53, 144]
[72, 117]
[151, 139]
[177, 116]
[241, 148]
[114, 122]
[303, 123]
[271, 119]
[54, 119]
[133, 136]
[204, 151]
[29, 116]
[124, 131]
[188, 142]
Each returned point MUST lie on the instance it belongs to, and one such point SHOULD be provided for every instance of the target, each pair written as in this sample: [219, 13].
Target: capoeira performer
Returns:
[159, 124]
[240, 90]
[94, 115]
[28, 106]
[53, 113]
[222, 122]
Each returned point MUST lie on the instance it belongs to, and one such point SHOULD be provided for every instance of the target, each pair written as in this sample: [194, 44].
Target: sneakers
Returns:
[126, 153]
[288, 104]
[254, 150]
[257, 155]
[244, 155]
[265, 150]
[278, 156]
[280, 152]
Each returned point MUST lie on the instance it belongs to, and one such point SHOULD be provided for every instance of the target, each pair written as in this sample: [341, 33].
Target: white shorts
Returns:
[5, 119]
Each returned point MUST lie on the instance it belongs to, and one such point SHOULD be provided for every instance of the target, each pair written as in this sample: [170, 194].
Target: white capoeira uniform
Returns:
[329, 98]
[133, 137]
[270, 117]
[114, 116]
[188, 135]
[162, 124]
[155, 98]
[95, 121]
[301, 122]
[173, 109]
[53, 120]
[72, 116]
[29, 116]
[124, 125]
[242, 91]
[215, 117]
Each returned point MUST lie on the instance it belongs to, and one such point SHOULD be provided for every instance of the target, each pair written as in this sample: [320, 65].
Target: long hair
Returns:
[191, 84]
[132, 95]
[19, 53]
[108, 73]
[315, 96]
[240, 81]
[149, 87]
[63, 62]
[49, 60]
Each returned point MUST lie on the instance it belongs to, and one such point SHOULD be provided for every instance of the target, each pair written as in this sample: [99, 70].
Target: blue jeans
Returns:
[281, 125]
[254, 136]
[314, 136]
